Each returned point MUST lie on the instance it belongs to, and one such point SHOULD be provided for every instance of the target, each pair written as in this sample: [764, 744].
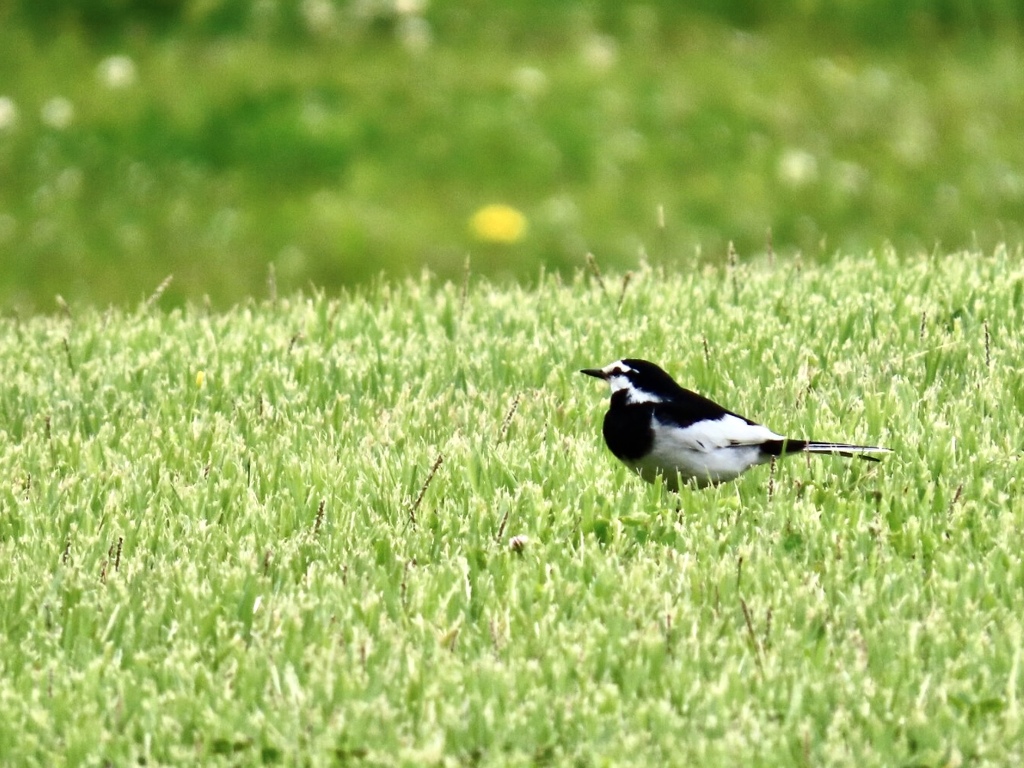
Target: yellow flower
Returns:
[200, 379]
[498, 223]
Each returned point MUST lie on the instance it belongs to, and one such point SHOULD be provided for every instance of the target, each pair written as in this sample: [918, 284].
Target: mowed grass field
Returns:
[381, 528]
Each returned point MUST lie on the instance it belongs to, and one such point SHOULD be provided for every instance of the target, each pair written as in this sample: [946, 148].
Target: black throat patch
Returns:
[627, 428]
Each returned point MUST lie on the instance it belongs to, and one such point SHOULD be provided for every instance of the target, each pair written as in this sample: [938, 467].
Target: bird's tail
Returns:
[838, 449]
[783, 447]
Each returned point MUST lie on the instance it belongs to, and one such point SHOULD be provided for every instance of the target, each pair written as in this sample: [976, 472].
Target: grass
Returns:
[338, 151]
[227, 538]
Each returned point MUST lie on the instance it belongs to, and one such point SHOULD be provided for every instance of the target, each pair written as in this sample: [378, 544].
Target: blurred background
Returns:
[329, 141]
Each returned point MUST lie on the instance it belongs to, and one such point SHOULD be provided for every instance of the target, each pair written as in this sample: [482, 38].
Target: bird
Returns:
[659, 429]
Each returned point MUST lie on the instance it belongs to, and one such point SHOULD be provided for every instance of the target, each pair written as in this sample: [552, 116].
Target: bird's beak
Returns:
[597, 373]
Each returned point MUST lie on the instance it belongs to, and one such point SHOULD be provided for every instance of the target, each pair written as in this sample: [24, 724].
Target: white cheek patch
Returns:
[619, 382]
[640, 396]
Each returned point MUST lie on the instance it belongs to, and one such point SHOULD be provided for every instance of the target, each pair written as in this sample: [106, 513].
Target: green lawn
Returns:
[332, 147]
[220, 544]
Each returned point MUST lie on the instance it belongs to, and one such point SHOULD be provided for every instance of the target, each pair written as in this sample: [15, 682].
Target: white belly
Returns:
[701, 467]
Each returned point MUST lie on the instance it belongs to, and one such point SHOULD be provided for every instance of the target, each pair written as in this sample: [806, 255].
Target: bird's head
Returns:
[639, 380]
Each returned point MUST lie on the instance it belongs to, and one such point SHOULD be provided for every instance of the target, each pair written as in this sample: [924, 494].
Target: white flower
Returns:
[8, 113]
[117, 72]
[600, 53]
[798, 168]
[410, 7]
[58, 112]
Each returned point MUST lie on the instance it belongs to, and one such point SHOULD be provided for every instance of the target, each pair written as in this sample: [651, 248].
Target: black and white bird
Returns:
[657, 428]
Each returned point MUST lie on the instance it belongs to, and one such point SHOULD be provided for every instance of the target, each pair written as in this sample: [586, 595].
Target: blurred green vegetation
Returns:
[330, 141]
